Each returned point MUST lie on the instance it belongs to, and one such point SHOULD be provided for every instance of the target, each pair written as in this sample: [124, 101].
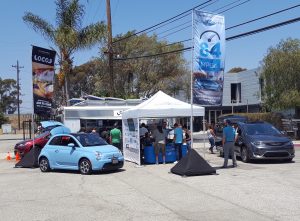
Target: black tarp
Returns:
[192, 165]
[30, 160]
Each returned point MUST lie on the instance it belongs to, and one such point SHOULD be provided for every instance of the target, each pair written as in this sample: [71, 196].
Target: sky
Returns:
[17, 38]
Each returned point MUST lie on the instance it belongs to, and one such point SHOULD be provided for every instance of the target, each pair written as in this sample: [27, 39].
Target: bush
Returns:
[270, 117]
[3, 119]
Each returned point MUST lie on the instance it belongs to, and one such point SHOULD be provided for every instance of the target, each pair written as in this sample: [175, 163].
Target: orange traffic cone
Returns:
[18, 158]
[8, 156]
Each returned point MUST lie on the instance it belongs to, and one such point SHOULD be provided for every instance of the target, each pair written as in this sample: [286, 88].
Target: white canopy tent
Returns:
[159, 105]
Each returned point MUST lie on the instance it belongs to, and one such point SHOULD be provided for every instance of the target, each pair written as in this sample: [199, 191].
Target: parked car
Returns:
[80, 151]
[25, 146]
[49, 128]
[261, 140]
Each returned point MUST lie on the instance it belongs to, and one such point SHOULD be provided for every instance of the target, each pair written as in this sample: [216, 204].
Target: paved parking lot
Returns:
[257, 191]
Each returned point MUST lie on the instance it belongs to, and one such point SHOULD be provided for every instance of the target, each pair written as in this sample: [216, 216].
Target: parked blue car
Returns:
[81, 151]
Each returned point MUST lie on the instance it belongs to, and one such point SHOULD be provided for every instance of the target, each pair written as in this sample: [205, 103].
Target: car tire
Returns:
[288, 160]
[44, 165]
[245, 155]
[85, 167]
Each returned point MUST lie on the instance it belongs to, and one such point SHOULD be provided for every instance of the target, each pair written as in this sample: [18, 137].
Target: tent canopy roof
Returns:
[162, 105]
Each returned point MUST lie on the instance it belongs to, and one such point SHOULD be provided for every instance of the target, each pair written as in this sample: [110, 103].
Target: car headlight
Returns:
[290, 143]
[120, 152]
[98, 155]
[257, 143]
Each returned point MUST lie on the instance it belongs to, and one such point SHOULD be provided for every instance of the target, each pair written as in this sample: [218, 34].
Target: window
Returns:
[65, 140]
[55, 141]
[236, 93]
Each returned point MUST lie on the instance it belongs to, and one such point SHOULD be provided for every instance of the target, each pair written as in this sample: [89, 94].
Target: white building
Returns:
[241, 93]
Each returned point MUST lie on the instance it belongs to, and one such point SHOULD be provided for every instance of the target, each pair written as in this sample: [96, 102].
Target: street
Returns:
[255, 191]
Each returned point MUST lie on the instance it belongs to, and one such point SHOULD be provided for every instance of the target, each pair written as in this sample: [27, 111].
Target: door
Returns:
[67, 156]
[239, 142]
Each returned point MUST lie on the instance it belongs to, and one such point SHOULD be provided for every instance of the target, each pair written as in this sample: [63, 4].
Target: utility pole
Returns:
[18, 90]
[110, 47]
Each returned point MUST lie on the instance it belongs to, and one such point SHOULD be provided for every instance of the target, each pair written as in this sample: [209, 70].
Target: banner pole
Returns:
[32, 117]
[191, 95]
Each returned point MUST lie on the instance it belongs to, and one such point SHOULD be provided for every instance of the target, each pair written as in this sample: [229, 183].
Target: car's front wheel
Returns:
[85, 167]
[245, 155]
[44, 164]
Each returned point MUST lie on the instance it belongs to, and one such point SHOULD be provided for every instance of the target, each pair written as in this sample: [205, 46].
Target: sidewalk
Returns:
[11, 137]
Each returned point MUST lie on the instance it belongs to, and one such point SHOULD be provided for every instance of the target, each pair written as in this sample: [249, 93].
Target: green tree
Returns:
[68, 36]
[281, 75]
[237, 70]
[137, 77]
[8, 95]
[3, 119]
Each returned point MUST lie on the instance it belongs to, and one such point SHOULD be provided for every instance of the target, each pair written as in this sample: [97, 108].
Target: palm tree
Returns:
[68, 36]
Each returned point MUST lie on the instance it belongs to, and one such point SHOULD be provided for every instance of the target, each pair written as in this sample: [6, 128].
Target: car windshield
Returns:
[261, 129]
[42, 134]
[88, 140]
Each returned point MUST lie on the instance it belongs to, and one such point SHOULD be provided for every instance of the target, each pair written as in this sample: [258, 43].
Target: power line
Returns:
[226, 5]
[190, 21]
[234, 7]
[176, 31]
[256, 19]
[264, 29]
[247, 22]
[227, 39]
[153, 26]
[154, 55]
[183, 16]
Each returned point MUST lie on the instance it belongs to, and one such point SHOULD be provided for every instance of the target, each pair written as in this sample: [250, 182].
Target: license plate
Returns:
[114, 161]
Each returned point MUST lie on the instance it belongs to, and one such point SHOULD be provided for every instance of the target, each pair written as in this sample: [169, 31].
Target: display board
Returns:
[131, 140]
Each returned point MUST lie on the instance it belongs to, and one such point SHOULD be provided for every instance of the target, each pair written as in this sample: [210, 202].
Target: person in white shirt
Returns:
[143, 130]
[211, 137]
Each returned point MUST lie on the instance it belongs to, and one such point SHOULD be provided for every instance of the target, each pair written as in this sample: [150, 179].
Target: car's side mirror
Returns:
[71, 145]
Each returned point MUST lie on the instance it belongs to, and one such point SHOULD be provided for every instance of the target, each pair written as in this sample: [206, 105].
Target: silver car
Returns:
[261, 140]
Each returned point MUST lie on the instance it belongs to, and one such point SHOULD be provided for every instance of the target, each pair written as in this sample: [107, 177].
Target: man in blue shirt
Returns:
[229, 137]
[178, 139]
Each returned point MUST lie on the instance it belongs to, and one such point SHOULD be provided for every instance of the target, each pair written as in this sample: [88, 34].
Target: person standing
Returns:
[143, 130]
[187, 137]
[211, 137]
[160, 143]
[115, 136]
[165, 130]
[178, 139]
[94, 131]
[229, 137]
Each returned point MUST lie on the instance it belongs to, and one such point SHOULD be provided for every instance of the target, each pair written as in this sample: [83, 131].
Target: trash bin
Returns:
[170, 153]
[149, 155]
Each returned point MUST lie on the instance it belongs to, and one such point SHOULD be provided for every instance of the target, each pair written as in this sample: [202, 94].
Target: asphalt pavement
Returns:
[255, 191]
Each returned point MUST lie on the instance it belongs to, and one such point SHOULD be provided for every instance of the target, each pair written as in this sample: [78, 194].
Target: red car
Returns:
[25, 146]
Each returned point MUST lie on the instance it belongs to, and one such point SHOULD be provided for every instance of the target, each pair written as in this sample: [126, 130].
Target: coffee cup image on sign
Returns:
[43, 75]
[43, 89]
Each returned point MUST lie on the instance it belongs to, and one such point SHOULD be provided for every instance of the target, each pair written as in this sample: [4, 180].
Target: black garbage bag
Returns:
[193, 165]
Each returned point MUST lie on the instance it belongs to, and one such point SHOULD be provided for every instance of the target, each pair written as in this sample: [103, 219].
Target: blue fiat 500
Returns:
[81, 151]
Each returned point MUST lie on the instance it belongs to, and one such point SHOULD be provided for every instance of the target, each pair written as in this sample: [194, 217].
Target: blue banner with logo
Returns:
[42, 79]
[208, 58]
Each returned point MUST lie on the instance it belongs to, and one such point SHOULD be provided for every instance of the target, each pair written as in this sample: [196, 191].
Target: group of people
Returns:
[159, 138]
[114, 136]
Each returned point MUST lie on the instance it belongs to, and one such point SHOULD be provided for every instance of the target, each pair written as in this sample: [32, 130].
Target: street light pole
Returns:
[110, 47]
[18, 90]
